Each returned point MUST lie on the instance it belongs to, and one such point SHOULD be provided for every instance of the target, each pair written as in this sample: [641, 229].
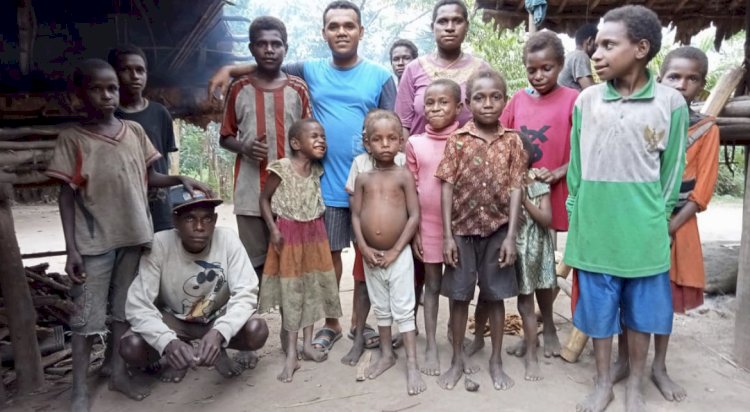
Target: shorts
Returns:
[254, 236]
[643, 304]
[391, 292]
[477, 264]
[108, 278]
[339, 227]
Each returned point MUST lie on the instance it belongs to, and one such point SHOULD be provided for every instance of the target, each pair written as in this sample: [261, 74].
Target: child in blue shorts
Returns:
[627, 157]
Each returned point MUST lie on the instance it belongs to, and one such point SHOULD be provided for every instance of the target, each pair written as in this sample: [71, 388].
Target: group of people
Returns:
[439, 181]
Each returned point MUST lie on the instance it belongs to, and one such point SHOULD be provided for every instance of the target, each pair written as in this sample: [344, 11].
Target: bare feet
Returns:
[475, 346]
[533, 372]
[668, 388]
[470, 385]
[414, 383]
[248, 359]
[351, 358]
[450, 378]
[500, 379]
[597, 400]
[519, 349]
[226, 366]
[291, 366]
[431, 364]
[79, 401]
[106, 370]
[128, 387]
[169, 374]
[620, 370]
[310, 354]
[634, 401]
[551, 342]
[381, 365]
[470, 367]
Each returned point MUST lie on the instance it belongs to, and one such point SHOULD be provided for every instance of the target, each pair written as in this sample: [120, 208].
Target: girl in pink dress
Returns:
[442, 103]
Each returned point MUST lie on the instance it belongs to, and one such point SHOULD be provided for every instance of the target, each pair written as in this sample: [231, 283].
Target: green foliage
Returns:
[201, 158]
[731, 182]
[502, 50]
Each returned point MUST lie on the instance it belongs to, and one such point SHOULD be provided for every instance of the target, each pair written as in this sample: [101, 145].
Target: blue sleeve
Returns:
[388, 95]
[295, 69]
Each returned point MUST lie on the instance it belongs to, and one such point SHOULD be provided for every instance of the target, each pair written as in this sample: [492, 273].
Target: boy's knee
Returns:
[254, 333]
[432, 286]
[134, 350]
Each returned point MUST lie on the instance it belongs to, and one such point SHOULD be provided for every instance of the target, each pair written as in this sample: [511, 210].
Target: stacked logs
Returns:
[734, 121]
[25, 153]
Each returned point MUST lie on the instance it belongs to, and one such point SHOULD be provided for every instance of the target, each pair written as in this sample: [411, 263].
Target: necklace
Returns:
[442, 71]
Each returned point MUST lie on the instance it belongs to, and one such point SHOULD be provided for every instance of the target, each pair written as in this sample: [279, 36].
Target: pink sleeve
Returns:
[508, 118]
[405, 96]
[411, 161]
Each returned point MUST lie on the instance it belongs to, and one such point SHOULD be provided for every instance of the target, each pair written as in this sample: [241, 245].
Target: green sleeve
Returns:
[573, 176]
[673, 158]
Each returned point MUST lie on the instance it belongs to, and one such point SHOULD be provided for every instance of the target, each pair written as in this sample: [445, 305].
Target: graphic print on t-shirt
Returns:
[203, 290]
[536, 137]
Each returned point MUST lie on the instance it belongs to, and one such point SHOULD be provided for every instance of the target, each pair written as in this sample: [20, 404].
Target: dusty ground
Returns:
[700, 359]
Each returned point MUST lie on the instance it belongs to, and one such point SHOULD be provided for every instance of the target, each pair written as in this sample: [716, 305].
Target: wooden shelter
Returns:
[40, 43]
[688, 17]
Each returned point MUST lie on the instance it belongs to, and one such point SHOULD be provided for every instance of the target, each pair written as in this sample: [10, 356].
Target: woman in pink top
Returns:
[442, 102]
[450, 25]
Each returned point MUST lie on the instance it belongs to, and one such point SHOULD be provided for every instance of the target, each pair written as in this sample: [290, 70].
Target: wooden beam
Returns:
[563, 3]
[594, 4]
[22, 324]
[680, 5]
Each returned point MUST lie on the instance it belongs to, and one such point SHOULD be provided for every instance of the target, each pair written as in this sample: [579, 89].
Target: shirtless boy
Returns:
[385, 216]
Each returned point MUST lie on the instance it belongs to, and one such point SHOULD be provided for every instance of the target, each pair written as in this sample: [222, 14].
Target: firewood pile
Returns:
[25, 153]
[734, 121]
[49, 293]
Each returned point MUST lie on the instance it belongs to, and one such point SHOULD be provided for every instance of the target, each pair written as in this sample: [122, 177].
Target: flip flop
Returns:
[372, 339]
[325, 338]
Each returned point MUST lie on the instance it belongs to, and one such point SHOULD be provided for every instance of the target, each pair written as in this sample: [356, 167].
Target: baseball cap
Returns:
[180, 198]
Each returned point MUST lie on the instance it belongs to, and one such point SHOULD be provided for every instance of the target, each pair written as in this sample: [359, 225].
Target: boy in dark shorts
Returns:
[482, 172]
[385, 217]
[627, 156]
[261, 107]
[132, 72]
[104, 164]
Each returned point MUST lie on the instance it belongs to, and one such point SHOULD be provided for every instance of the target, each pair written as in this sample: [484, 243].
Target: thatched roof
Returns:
[688, 16]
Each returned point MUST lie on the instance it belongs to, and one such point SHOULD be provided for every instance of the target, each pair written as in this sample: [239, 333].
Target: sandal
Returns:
[372, 339]
[325, 338]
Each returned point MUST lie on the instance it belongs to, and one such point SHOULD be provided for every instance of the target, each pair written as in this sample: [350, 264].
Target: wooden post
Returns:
[532, 26]
[18, 303]
[174, 157]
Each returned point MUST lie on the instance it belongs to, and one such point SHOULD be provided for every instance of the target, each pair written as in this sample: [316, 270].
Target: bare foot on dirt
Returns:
[469, 366]
[248, 359]
[470, 385]
[500, 379]
[597, 400]
[551, 343]
[414, 383]
[128, 387]
[227, 367]
[169, 374]
[668, 388]
[619, 371]
[381, 365]
[431, 364]
[291, 366]
[450, 378]
[352, 358]
[310, 354]
[519, 349]
[475, 346]
[79, 401]
[533, 371]
[634, 401]
[106, 369]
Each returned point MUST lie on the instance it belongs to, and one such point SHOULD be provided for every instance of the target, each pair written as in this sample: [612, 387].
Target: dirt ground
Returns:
[700, 358]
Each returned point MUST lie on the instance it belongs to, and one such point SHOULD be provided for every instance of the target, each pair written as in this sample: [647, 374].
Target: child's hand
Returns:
[416, 247]
[389, 256]
[74, 267]
[371, 256]
[209, 348]
[277, 240]
[450, 252]
[508, 252]
[218, 85]
[544, 175]
[180, 355]
[192, 185]
[256, 149]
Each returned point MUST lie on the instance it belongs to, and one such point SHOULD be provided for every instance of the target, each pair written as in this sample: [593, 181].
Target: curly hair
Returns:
[584, 32]
[113, 57]
[542, 40]
[343, 5]
[687, 52]
[380, 114]
[441, 3]
[454, 88]
[486, 74]
[405, 43]
[266, 23]
[85, 69]
[641, 23]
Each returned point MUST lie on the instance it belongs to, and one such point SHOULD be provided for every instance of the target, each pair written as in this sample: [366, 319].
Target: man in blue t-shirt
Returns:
[343, 90]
